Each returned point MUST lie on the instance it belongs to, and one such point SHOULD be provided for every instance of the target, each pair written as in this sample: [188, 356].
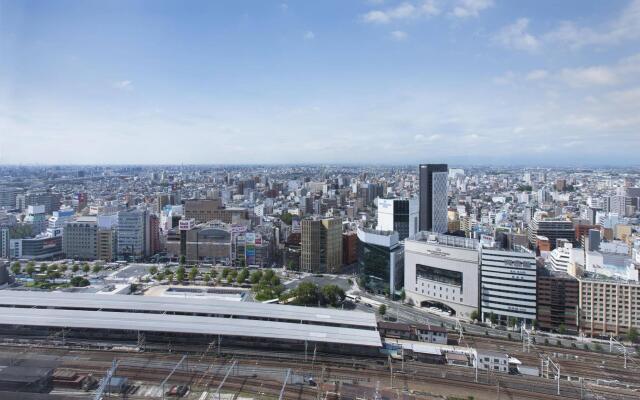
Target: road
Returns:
[411, 314]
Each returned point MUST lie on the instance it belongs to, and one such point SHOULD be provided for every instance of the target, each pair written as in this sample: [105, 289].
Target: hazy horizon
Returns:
[357, 82]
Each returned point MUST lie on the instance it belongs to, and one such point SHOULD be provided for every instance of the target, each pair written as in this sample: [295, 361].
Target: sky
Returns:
[541, 82]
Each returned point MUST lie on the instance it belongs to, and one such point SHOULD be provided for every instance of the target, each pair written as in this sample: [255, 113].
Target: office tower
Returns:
[593, 240]
[433, 197]
[321, 245]
[205, 210]
[131, 233]
[508, 285]
[349, 248]
[106, 244]
[552, 229]
[399, 215]
[154, 234]
[557, 300]
[8, 196]
[80, 237]
[381, 261]
[50, 201]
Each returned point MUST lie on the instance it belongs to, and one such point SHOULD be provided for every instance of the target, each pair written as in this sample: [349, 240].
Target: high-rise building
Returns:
[442, 271]
[553, 229]
[381, 261]
[8, 196]
[321, 245]
[106, 244]
[433, 197]
[131, 233]
[508, 285]
[398, 215]
[80, 238]
[50, 201]
[557, 301]
[205, 210]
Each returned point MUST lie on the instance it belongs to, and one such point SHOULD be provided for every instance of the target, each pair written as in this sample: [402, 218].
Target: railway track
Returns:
[152, 366]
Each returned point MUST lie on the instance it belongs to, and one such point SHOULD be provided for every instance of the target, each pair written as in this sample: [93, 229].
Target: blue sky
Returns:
[461, 81]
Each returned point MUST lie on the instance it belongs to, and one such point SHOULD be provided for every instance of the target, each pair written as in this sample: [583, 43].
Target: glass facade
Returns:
[381, 267]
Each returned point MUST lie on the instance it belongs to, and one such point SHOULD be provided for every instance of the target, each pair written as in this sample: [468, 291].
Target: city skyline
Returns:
[357, 82]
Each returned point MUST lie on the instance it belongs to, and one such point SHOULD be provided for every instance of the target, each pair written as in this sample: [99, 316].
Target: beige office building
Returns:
[321, 245]
[206, 210]
[609, 306]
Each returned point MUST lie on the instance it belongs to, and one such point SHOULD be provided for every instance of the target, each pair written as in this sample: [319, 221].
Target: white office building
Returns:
[398, 215]
[508, 284]
[442, 271]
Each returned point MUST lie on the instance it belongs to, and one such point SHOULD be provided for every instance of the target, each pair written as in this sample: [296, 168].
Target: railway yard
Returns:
[233, 372]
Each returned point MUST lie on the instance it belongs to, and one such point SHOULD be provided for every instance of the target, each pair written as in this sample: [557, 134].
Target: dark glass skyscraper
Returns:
[433, 197]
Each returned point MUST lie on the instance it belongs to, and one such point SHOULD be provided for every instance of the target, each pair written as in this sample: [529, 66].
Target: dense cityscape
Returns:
[434, 263]
[319, 200]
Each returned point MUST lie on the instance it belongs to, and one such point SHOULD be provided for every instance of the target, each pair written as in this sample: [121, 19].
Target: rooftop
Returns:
[444, 240]
[78, 319]
[193, 306]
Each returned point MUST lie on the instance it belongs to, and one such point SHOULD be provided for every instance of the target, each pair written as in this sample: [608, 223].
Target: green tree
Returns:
[474, 315]
[170, 276]
[153, 270]
[562, 329]
[16, 267]
[183, 260]
[255, 276]
[382, 310]
[286, 218]
[493, 318]
[75, 268]
[86, 268]
[63, 268]
[268, 274]
[225, 272]
[232, 275]
[78, 281]
[160, 276]
[307, 293]
[193, 273]
[242, 276]
[96, 268]
[180, 274]
[333, 295]
[632, 336]
[207, 277]
[30, 269]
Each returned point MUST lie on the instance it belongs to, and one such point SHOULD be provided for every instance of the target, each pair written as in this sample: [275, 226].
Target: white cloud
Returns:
[424, 139]
[624, 27]
[470, 8]
[123, 85]
[537, 74]
[506, 79]
[590, 76]
[399, 35]
[308, 35]
[515, 36]
[402, 11]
